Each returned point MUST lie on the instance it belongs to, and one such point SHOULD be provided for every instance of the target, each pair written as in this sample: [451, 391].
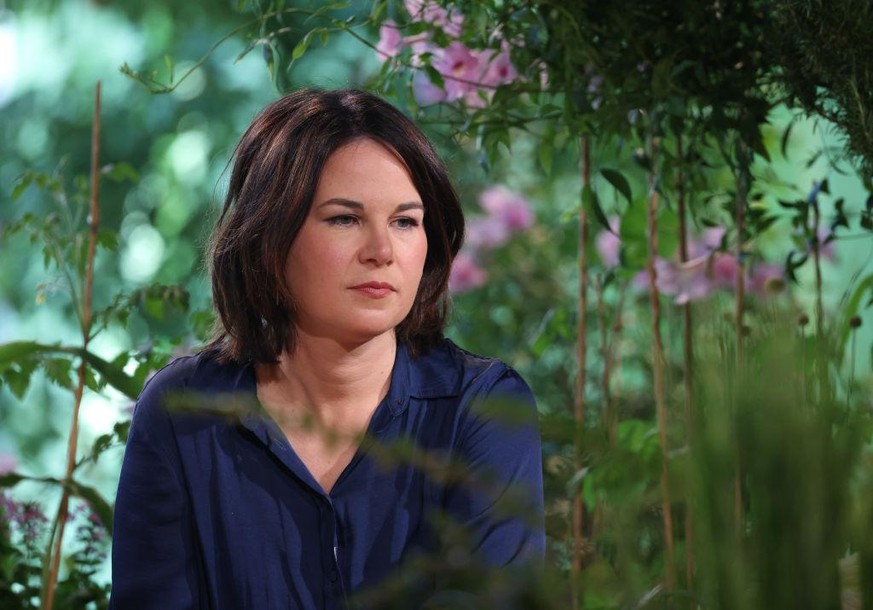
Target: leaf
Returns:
[791, 265]
[113, 375]
[59, 370]
[546, 155]
[18, 350]
[301, 47]
[171, 68]
[11, 479]
[107, 239]
[591, 202]
[851, 307]
[119, 172]
[21, 185]
[435, 77]
[619, 182]
[783, 144]
[122, 430]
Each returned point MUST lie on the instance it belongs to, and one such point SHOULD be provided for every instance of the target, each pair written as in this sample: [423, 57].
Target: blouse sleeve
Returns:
[500, 503]
[153, 548]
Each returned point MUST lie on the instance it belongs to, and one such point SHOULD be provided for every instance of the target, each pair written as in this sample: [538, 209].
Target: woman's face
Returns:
[355, 266]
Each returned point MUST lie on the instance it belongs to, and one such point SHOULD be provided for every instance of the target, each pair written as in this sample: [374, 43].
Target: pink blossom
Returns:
[466, 273]
[724, 269]
[826, 248]
[707, 242]
[8, 463]
[476, 98]
[508, 206]
[488, 232]
[687, 281]
[390, 41]
[419, 44]
[460, 68]
[430, 12]
[500, 69]
[608, 244]
[767, 278]
[425, 92]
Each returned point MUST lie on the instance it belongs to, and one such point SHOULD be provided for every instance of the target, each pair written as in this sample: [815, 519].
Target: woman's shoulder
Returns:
[449, 369]
[201, 372]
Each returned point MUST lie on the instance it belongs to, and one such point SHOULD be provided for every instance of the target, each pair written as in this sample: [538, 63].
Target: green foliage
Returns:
[676, 100]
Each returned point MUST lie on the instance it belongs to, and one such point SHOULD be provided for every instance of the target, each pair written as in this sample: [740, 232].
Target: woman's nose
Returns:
[377, 248]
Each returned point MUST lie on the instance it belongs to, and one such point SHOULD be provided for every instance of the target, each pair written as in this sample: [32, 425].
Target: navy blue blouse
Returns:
[215, 510]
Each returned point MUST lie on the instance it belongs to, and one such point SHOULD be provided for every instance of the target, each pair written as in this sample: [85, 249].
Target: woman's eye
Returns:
[406, 223]
[342, 221]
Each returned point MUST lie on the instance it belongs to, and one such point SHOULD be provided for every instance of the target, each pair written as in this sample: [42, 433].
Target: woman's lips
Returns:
[374, 290]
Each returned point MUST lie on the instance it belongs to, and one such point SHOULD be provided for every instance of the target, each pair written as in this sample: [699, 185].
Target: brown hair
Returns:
[276, 169]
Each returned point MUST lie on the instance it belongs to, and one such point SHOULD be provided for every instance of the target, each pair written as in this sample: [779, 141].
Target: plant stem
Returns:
[742, 180]
[50, 585]
[579, 402]
[658, 365]
[604, 356]
[688, 356]
[820, 352]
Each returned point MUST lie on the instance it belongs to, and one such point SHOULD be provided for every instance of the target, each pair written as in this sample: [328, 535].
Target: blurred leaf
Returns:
[97, 502]
[114, 375]
[119, 172]
[619, 182]
[592, 204]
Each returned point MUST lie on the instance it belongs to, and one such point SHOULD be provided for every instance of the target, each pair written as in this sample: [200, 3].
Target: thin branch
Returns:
[658, 364]
[579, 402]
[743, 175]
[688, 356]
[50, 585]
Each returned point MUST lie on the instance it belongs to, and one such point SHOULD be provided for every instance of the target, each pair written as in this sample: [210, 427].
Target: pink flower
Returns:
[487, 233]
[390, 41]
[8, 463]
[608, 244]
[460, 69]
[825, 247]
[767, 278]
[430, 12]
[687, 281]
[723, 270]
[466, 273]
[508, 206]
[425, 92]
[500, 69]
[708, 242]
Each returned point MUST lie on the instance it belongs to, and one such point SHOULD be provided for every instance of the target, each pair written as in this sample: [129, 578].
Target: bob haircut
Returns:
[276, 168]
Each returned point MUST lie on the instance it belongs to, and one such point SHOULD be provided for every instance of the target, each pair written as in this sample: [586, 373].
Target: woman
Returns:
[275, 486]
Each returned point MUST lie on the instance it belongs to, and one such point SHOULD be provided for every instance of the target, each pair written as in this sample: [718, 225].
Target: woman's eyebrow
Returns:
[357, 205]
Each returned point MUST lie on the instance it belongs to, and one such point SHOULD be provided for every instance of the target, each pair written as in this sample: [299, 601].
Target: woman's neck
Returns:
[336, 385]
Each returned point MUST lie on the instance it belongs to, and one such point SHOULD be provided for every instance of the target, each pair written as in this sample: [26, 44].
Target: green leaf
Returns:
[114, 375]
[301, 47]
[783, 144]
[852, 307]
[107, 239]
[619, 182]
[171, 68]
[18, 350]
[592, 203]
[546, 156]
[21, 185]
[119, 172]
[98, 504]
[11, 479]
